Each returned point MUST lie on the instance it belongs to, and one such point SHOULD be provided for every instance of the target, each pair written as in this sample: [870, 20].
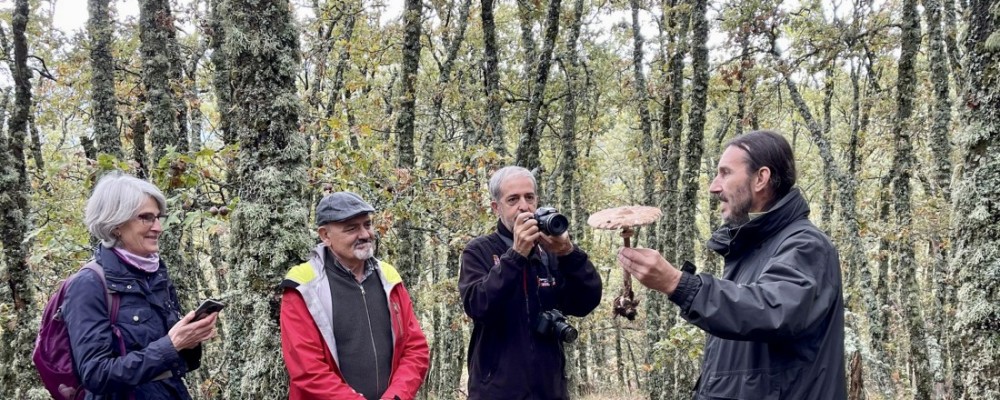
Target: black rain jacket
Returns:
[776, 318]
[503, 292]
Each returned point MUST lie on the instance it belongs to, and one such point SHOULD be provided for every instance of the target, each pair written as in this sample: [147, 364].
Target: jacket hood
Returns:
[731, 241]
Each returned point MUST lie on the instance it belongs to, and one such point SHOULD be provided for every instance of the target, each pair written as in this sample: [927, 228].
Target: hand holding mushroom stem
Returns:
[625, 218]
[625, 304]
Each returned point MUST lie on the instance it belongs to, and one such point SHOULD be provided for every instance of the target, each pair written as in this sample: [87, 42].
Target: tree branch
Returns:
[44, 72]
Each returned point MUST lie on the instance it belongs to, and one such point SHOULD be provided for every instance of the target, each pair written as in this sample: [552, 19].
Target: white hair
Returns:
[117, 199]
[505, 173]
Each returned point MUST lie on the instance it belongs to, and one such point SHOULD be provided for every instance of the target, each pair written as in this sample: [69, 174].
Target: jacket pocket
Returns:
[485, 359]
[138, 326]
[741, 385]
[399, 331]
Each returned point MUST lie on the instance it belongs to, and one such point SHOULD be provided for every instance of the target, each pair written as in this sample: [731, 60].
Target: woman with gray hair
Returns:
[149, 346]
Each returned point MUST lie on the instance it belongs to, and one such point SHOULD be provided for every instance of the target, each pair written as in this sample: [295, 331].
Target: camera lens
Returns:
[567, 333]
[554, 224]
[558, 224]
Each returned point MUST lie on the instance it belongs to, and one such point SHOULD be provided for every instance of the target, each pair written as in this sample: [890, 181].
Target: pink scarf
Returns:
[149, 264]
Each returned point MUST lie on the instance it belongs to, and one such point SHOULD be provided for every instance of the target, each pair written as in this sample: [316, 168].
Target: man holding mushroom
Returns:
[776, 317]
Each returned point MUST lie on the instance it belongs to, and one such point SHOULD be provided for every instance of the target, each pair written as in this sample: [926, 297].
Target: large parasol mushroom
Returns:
[625, 218]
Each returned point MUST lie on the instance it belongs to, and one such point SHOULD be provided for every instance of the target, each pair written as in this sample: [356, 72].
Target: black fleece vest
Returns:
[362, 328]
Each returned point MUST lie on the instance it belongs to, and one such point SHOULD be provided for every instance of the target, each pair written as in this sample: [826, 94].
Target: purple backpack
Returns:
[53, 356]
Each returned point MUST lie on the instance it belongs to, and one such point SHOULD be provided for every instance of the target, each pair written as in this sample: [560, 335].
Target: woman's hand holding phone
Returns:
[197, 326]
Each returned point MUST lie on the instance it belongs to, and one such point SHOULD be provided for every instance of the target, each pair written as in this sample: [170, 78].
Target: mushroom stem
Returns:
[625, 304]
[627, 233]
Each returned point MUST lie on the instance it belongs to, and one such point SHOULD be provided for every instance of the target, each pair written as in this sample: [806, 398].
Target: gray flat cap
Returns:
[341, 206]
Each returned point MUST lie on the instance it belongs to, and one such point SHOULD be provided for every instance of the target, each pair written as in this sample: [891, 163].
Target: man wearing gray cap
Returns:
[348, 330]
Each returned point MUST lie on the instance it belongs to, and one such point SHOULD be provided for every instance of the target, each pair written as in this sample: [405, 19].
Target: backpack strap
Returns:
[113, 302]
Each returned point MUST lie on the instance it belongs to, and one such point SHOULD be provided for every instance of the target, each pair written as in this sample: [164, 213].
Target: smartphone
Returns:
[208, 307]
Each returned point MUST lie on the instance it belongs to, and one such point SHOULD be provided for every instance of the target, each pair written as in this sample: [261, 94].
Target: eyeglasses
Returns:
[148, 218]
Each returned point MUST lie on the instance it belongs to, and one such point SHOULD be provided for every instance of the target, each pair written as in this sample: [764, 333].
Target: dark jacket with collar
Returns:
[152, 368]
[503, 292]
[776, 318]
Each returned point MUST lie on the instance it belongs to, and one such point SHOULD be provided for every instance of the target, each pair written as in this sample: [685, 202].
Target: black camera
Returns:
[550, 221]
[553, 322]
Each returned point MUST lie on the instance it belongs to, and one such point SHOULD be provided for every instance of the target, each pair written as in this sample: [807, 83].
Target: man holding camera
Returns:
[516, 284]
[775, 318]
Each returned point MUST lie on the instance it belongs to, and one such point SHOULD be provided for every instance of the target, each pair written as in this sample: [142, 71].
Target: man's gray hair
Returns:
[117, 199]
[505, 173]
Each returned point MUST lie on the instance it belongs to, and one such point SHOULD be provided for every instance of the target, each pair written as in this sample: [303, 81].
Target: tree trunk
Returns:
[826, 205]
[449, 358]
[977, 207]
[568, 166]
[678, 18]
[102, 79]
[528, 147]
[493, 131]
[36, 145]
[619, 355]
[191, 98]
[220, 75]
[940, 142]
[268, 225]
[686, 368]
[672, 125]
[160, 71]
[4, 103]
[648, 151]
[941, 118]
[139, 129]
[407, 105]
[852, 150]
[411, 239]
[16, 369]
[686, 224]
[158, 41]
[570, 186]
[951, 43]
[526, 23]
[902, 166]
[879, 323]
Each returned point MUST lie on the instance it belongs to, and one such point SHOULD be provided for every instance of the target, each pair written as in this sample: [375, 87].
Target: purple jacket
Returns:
[152, 368]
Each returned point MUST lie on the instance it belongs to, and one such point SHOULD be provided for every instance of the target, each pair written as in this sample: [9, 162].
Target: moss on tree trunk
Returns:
[269, 233]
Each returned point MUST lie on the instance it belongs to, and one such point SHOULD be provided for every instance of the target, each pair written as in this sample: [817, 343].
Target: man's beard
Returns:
[508, 222]
[739, 206]
[363, 253]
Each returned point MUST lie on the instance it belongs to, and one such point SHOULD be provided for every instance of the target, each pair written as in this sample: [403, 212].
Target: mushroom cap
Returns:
[621, 217]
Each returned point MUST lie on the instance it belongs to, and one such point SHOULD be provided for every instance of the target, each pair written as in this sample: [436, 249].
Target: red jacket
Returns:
[307, 340]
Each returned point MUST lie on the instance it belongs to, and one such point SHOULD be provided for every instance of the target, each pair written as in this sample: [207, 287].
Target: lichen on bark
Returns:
[269, 223]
